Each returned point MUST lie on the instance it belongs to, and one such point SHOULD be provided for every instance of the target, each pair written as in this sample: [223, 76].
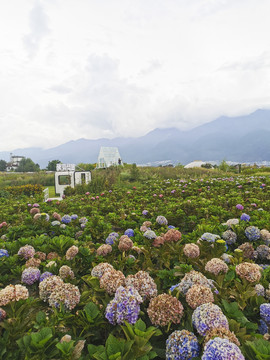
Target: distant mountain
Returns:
[241, 139]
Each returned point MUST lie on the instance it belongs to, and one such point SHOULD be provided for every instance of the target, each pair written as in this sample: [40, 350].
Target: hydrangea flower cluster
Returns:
[100, 269]
[104, 250]
[198, 295]
[150, 234]
[265, 236]
[262, 252]
[111, 280]
[209, 237]
[30, 275]
[229, 236]
[48, 285]
[231, 222]
[4, 252]
[67, 294]
[182, 345]
[216, 266]
[143, 283]
[32, 262]
[252, 233]
[45, 275]
[263, 328]
[265, 313]
[192, 251]
[66, 219]
[164, 309]
[207, 317]
[159, 240]
[74, 217]
[66, 272]
[124, 307]
[72, 252]
[245, 217]
[26, 252]
[55, 223]
[259, 290]
[248, 250]
[129, 232]
[250, 272]
[145, 212]
[125, 243]
[222, 333]
[172, 235]
[192, 278]
[161, 220]
[221, 349]
[13, 293]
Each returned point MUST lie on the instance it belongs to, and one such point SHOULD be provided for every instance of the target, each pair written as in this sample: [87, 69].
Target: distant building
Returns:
[195, 164]
[108, 156]
[14, 162]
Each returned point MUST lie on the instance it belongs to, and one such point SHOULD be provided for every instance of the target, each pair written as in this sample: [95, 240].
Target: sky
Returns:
[73, 69]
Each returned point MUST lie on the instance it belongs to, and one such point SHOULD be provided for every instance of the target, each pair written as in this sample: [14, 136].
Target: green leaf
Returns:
[65, 347]
[113, 345]
[41, 317]
[140, 325]
[91, 310]
[115, 356]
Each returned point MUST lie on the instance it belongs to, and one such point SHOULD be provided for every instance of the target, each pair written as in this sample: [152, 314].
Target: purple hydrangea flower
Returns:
[252, 233]
[129, 232]
[74, 216]
[3, 253]
[221, 349]
[239, 207]
[182, 345]
[245, 217]
[171, 227]
[263, 328]
[124, 307]
[265, 312]
[145, 212]
[45, 275]
[66, 219]
[30, 275]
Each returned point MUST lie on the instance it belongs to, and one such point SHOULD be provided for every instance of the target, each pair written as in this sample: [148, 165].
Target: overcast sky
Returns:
[73, 69]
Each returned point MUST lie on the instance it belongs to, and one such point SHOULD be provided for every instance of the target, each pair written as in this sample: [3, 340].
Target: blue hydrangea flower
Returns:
[221, 349]
[252, 233]
[45, 275]
[245, 217]
[30, 275]
[145, 212]
[171, 227]
[263, 328]
[129, 232]
[265, 312]
[66, 219]
[174, 287]
[124, 307]
[112, 237]
[182, 345]
[74, 216]
[3, 253]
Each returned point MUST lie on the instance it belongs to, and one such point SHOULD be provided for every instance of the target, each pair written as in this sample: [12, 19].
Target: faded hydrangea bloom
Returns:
[192, 251]
[198, 295]
[161, 220]
[259, 290]
[125, 243]
[262, 252]
[229, 236]
[165, 308]
[72, 252]
[265, 236]
[40, 255]
[67, 294]
[48, 285]
[143, 282]
[124, 307]
[32, 262]
[100, 269]
[248, 250]
[26, 252]
[66, 272]
[172, 235]
[30, 275]
[111, 280]
[248, 271]
[159, 240]
[150, 234]
[216, 266]
[221, 333]
[191, 278]
[13, 293]
[104, 250]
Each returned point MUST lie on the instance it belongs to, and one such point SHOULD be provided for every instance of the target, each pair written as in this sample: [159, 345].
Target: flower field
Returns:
[170, 269]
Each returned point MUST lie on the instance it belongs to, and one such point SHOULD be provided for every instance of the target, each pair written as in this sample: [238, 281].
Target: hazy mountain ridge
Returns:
[244, 139]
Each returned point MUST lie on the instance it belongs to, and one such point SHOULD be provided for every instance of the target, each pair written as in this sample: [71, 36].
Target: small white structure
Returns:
[108, 156]
[66, 175]
[194, 164]
[14, 162]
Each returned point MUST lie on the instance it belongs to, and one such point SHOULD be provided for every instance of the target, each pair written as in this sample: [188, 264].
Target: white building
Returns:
[108, 156]
[66, 175]
[14, 162]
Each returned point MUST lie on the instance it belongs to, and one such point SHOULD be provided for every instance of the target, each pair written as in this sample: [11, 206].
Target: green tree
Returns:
[3, 165]
[207, 166]
[52, 165]
[27, 165]
[224, 166]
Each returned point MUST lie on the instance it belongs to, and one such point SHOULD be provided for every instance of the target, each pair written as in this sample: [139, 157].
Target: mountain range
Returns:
[241, 139]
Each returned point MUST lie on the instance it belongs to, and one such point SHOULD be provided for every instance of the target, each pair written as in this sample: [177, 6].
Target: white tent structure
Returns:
[108, 156]
[194, 164]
